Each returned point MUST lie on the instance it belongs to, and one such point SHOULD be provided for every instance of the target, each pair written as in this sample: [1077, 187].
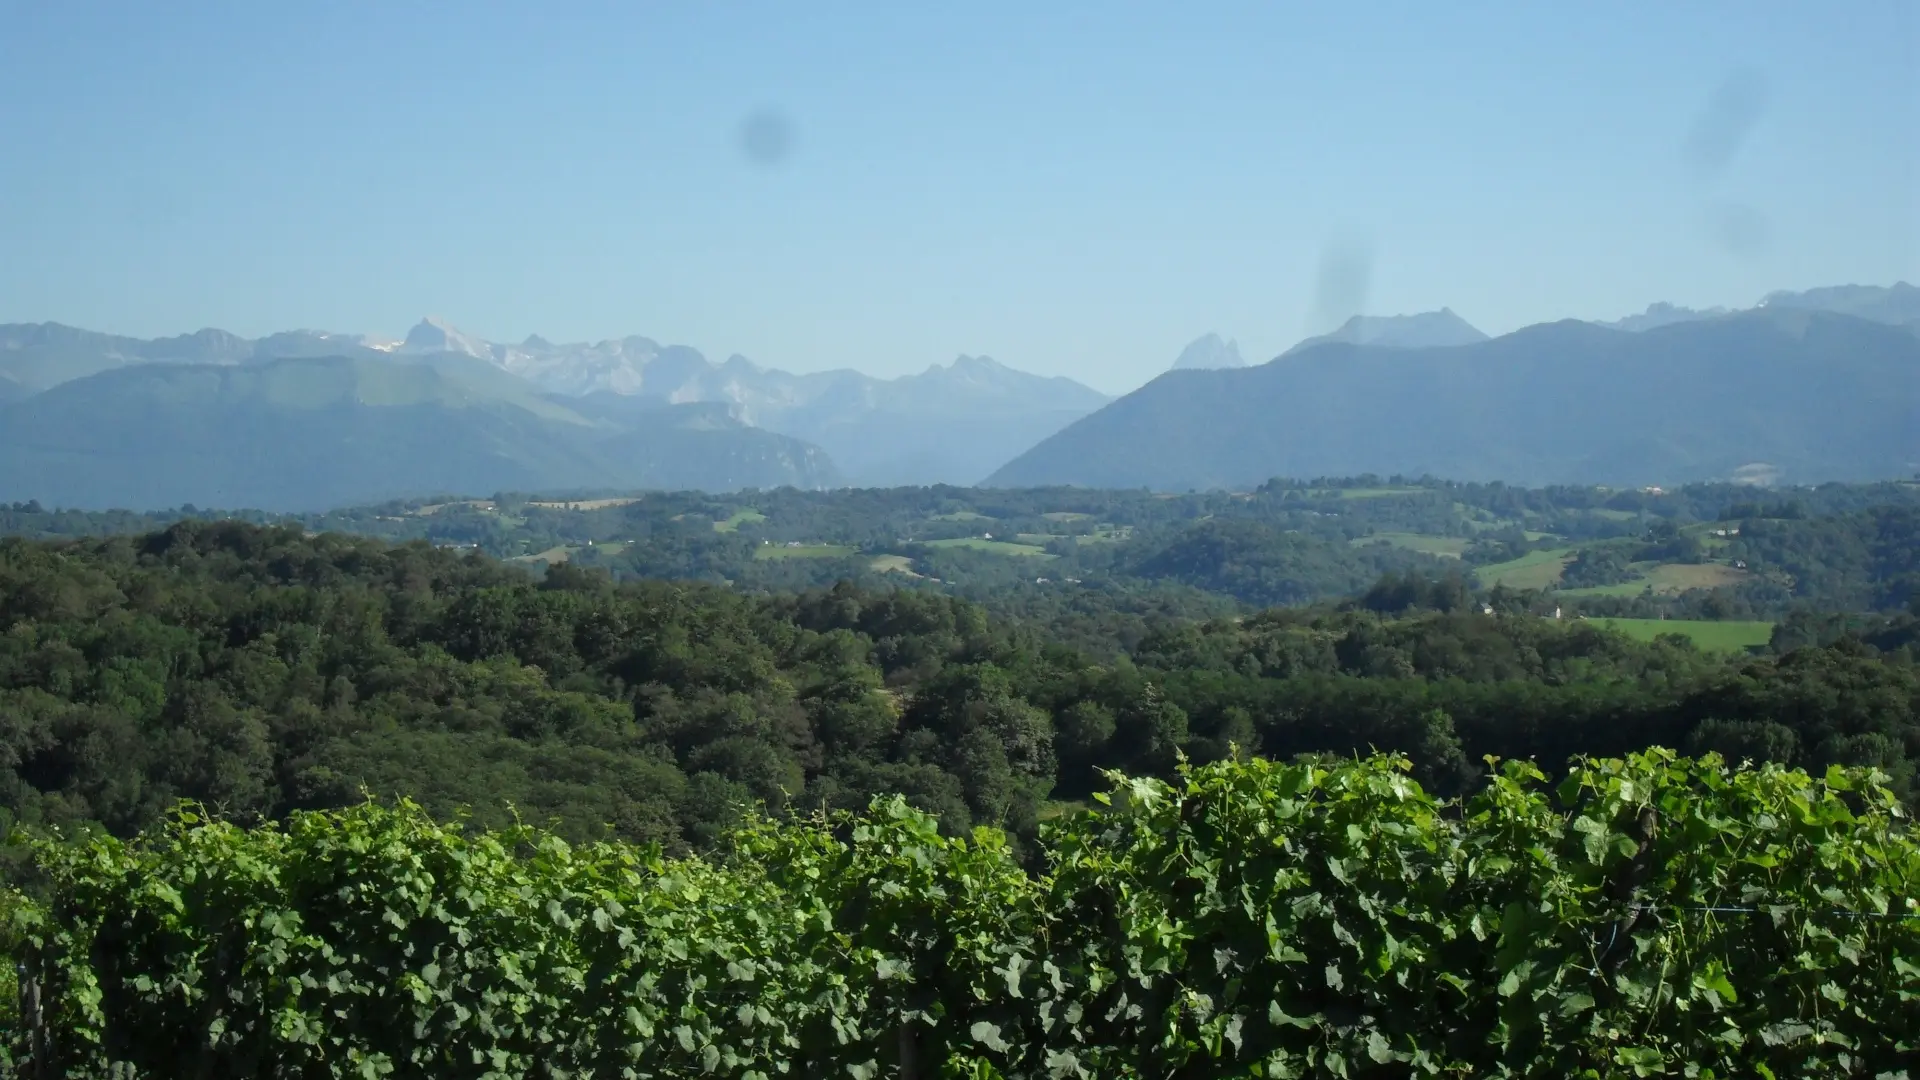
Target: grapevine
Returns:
[1646, 916]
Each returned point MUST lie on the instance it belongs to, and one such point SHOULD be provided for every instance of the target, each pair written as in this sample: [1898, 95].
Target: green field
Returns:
[1730, 636]
[1363, 493]
[997, 547]
[478, 506]
[1480, 518]
[1624, 588]
[961, 515]
[433, 508]
[739, 518]
[1703, 532]
[892, 564]
[586, 505]
[1448, 546]
[550, 556]
[1668, 579]
[1065, 515]
[1534, 570]
[804, 551]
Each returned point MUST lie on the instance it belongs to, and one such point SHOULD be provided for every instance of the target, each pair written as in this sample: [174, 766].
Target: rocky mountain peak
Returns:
[1209, 351]
[432, 335]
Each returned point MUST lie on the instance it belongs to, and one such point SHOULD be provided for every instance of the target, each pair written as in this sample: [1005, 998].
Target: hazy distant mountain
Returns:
[434, 336]
[1427, 329]
[290, 344]
[1209, 353]
[43, 355]
[1662, 314]
[40, 355]
[11, 390]
[1814, 395]
[309, 433]
[949, 424]
[1898, 303]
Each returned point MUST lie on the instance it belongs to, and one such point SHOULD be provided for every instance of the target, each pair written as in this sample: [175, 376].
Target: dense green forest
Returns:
[261, 671]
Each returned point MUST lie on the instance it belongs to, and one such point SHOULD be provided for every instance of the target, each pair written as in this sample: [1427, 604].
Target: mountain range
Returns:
[301, 433]
[1662, 314]
[1897, 305]
[305, 419]
[1208, 352]
[950, 424]
[1807, 394]
[1428, 329]
[39, 356]
[508, 416]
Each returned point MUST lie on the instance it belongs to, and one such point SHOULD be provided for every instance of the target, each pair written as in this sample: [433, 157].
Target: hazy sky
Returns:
[1071, 188]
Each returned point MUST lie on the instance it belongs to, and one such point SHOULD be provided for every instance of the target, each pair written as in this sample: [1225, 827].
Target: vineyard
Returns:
[1653, 916]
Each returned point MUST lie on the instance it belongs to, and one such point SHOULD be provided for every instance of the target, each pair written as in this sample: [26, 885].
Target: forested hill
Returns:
[262, 670]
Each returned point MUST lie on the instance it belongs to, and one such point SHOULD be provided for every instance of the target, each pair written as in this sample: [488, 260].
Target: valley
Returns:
[1722, 551]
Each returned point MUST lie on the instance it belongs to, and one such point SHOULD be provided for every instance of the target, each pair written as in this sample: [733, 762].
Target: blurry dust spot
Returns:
[1728, 119]
[1740, 231]
[1342, 282]
[766, 137]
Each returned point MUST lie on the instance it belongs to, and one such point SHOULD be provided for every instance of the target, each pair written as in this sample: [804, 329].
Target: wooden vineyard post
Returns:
[36, 1065]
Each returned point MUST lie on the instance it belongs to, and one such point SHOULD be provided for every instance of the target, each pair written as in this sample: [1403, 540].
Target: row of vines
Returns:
[1656, 916]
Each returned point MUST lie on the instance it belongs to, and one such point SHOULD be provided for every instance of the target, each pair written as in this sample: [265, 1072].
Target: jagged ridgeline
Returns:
[1652, 916]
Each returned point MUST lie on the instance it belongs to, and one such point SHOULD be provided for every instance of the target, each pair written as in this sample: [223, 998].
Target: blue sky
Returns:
[1072, 188]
